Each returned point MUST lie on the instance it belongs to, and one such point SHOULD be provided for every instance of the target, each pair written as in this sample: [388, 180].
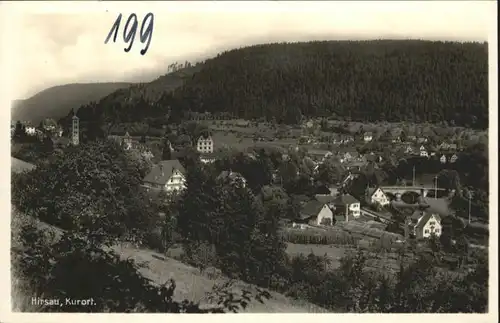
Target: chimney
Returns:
[161, 170]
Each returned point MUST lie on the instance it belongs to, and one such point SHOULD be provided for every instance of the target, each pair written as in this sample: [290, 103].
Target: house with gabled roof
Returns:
[423, 152]
[347, 206]
[453, 158]
[315, 212]
[368, 136]
[205, 144]
[377, 196]
[167, 175]
[423, 224]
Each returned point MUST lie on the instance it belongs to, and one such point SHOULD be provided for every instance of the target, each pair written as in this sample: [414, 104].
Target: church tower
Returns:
[75, 131]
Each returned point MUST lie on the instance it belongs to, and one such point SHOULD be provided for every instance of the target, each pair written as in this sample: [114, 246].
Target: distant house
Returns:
[348, 155]
[233, 178]
[422, 140]
[453, 147]
[347, 206]
[423, 152]
[409, 149]
[144, 150]
[377, 195]
[444, 146]
[127, 141]
[423, 224]
[368, 136]
[316, 213]
[412, 138]
[205, 144]
[318, 154]
[442, 159]
[453, 158]
[30, 130]
[167, 175]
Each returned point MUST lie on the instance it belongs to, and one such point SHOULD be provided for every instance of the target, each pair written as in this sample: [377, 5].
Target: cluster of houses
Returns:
[334, 208]
[324, 210]
[31, 130]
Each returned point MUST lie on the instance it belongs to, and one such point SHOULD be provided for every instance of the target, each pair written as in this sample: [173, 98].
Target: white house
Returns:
[168, 175]
[348, 206]
[408, 149]
[423, 152]
[127, 141]
[205, 144]
[30, 130]
[443, 159]
[453, 158]
[377, 195]
[423, 224]
[316, 213]
[368, 136]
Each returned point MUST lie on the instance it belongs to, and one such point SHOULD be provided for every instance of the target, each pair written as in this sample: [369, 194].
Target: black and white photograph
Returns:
[249, 157]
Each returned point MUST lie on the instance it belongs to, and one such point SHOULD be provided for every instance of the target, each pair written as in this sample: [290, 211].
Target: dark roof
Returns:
[311, 209]
[205, 136]
[324, 198]
[162, 172]
[370, 191]
[345, 199]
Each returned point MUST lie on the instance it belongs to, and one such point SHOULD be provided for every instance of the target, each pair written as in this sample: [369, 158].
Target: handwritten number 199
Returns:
[129, 31]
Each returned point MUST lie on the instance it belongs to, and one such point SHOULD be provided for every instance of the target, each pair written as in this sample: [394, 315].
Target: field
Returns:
[334, 253]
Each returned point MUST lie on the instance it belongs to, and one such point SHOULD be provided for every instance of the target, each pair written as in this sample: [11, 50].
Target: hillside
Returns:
[57, 101]
[191, 284]
[365, 81]
[354, 80]
[137, 102]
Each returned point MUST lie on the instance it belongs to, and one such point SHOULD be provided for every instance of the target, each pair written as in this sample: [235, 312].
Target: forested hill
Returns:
[57, 101]
[387, 80]
[357, 80]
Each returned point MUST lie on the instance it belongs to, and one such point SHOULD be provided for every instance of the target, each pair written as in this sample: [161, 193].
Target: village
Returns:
[335, 204]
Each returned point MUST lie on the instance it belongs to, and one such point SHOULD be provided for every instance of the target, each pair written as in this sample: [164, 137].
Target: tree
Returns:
[449, 179]
[20, 135]
[58, 267]
[167, 150]
[78, 190]
[329, 172]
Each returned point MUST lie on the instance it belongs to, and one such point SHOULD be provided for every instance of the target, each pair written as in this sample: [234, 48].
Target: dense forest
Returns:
[390, 80]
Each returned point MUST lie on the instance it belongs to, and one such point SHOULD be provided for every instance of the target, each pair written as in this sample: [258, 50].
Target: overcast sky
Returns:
[58, 43]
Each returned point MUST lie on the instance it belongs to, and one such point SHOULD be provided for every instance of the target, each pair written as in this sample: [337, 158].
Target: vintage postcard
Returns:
[249, 157]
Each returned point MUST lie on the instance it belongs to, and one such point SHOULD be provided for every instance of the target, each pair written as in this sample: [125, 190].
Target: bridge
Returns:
[421, 190]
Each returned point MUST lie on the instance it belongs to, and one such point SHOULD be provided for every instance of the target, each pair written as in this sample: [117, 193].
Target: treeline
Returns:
[384, 80]
[356, 80]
